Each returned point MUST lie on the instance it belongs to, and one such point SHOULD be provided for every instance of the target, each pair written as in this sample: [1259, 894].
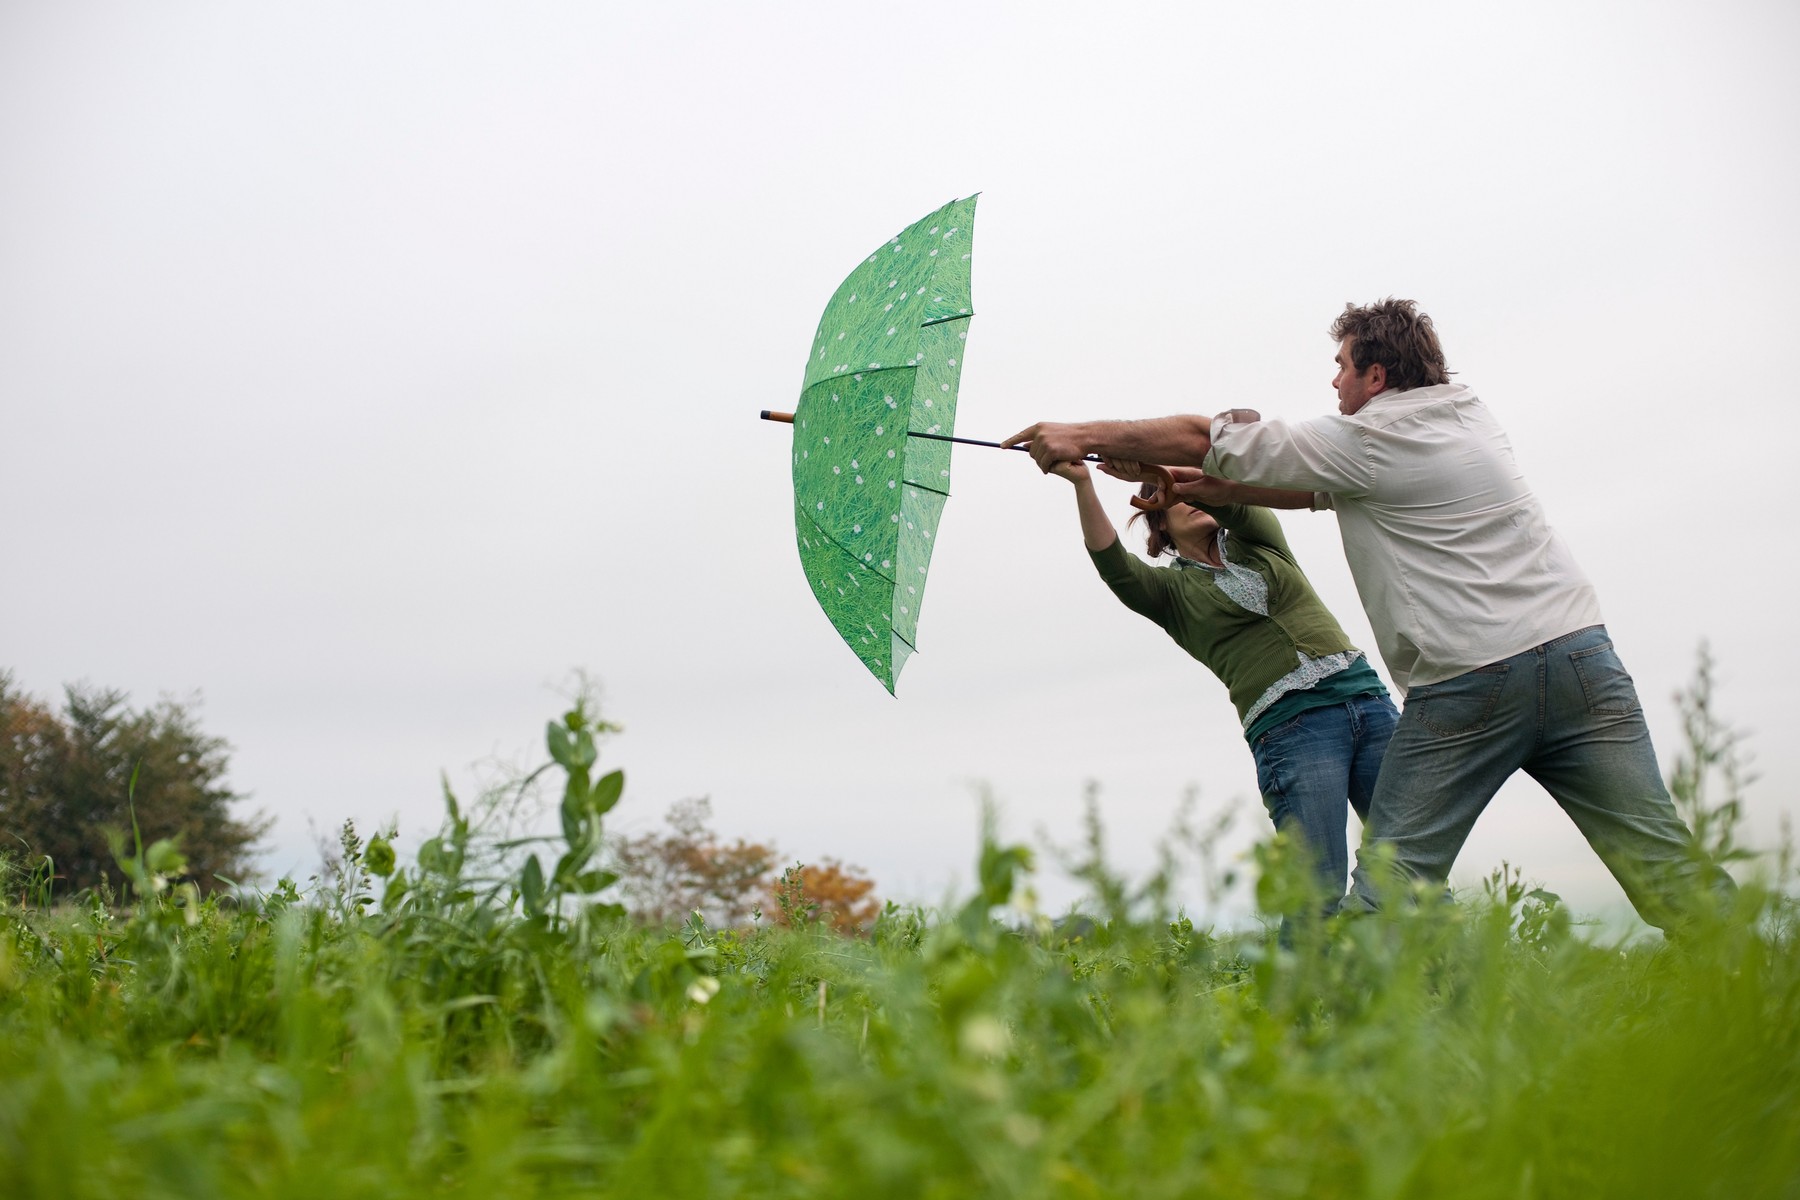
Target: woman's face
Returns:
[1188, 526]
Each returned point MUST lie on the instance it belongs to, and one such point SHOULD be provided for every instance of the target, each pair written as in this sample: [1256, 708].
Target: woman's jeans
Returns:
[1567, 714]
[1313, 769]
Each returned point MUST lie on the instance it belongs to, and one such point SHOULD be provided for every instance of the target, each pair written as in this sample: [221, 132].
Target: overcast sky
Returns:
[366, 369]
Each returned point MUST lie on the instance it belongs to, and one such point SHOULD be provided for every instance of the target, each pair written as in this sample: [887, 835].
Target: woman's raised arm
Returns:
[1097, 530]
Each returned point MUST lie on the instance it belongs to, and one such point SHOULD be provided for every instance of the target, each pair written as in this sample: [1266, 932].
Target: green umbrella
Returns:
[867, 497]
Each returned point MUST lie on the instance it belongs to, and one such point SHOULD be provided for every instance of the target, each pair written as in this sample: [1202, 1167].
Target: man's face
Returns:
[1355, 388]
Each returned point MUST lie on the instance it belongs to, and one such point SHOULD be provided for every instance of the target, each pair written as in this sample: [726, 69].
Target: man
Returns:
[1484, 619]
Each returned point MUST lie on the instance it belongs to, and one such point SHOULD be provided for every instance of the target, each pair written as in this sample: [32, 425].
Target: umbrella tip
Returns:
[771, 415]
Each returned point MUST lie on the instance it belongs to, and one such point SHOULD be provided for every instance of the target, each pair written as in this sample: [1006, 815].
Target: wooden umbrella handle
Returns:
[1165, 492]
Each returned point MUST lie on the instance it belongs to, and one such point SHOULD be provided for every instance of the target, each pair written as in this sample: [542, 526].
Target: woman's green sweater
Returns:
[1247, 651]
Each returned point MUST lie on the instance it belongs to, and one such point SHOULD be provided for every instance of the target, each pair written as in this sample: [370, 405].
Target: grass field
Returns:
[477, 1023]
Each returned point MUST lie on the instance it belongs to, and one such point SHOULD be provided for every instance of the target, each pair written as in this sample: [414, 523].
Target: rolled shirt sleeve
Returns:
[1324, 454]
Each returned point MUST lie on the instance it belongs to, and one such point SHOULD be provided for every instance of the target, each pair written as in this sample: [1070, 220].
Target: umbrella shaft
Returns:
[944, 437]
[787, 417]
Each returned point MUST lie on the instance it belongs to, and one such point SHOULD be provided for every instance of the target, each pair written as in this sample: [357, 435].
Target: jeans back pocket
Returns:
[1459, 705]
[1605, 681]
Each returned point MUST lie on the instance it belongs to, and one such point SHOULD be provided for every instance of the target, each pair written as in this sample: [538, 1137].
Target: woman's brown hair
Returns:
[1156, 529]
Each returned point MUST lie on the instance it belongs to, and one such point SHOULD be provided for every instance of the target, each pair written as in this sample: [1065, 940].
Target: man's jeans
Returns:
[1565, 712]
[1313, 769]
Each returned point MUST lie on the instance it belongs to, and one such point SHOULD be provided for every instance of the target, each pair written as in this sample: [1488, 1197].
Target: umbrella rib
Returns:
[845, 550]
[857, 374]
[911, 366]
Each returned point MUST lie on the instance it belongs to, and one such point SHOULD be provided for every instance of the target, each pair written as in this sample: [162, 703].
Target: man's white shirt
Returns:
[1452, 556]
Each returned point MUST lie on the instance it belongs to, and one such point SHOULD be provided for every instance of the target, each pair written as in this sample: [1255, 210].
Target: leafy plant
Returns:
[464, 1036]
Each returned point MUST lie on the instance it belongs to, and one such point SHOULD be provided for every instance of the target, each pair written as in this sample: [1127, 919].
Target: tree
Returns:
[68, 779]
[664, 877]
[827, 891]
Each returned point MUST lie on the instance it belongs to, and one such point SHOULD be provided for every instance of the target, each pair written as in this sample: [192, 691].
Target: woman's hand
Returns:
[1074, 472]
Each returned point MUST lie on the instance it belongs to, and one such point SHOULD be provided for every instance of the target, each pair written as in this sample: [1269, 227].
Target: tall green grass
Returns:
[454, 1027]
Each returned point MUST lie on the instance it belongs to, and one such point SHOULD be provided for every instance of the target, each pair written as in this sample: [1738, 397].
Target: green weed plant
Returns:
[491, 1025]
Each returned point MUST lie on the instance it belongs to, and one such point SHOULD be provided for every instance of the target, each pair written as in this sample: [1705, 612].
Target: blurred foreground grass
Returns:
[490, 1028]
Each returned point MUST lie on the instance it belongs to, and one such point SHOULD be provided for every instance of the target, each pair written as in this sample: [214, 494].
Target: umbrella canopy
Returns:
[867, 497]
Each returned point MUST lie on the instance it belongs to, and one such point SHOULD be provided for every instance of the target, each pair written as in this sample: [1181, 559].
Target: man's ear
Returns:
[1377, 378]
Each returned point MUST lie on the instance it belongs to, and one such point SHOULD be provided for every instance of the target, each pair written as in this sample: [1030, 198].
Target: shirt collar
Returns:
[1194, 563]
[1431, 391]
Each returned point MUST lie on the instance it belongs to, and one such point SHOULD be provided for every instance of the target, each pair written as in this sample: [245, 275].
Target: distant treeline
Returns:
[71, 780]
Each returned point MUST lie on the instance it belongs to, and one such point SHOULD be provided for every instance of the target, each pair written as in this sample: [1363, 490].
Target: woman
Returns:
[1314, 712]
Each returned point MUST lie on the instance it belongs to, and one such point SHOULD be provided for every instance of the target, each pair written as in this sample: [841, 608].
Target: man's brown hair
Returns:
[1397, 335]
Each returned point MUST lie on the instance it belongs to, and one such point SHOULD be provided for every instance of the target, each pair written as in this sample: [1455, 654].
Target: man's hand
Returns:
[1207, 489]
[1182, 440]
[1050, 442]
[1166, 480]
[1130, 470]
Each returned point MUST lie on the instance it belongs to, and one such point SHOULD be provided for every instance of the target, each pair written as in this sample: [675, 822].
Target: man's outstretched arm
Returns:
[1214, 491]
[1173, 441]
